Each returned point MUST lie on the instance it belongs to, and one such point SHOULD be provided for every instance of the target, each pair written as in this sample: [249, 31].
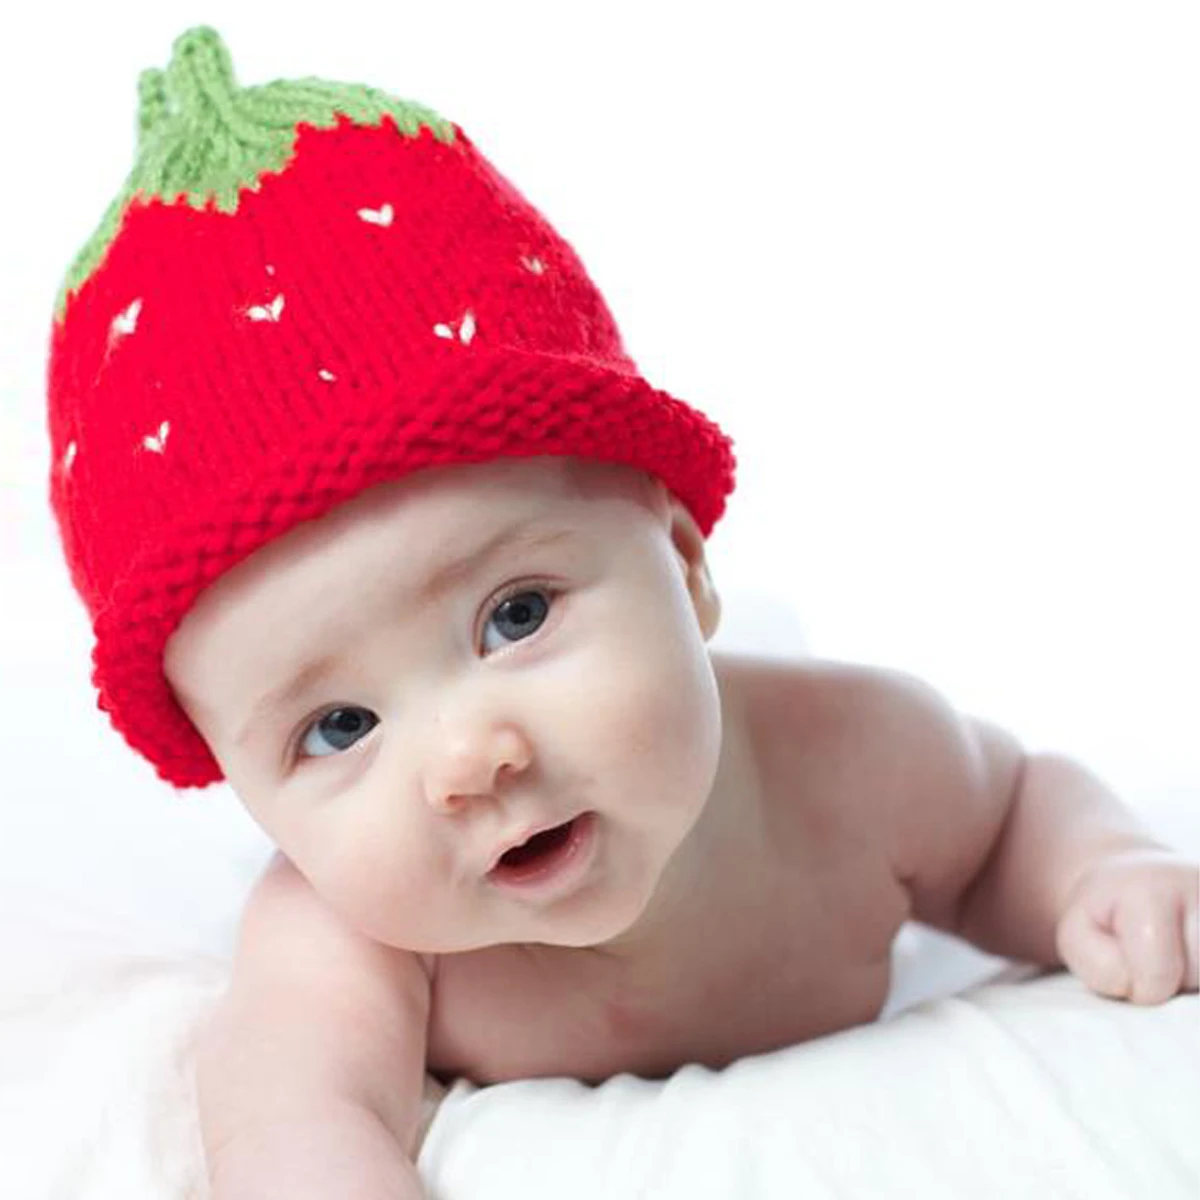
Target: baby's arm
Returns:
[1026, 855]
[310, 1073]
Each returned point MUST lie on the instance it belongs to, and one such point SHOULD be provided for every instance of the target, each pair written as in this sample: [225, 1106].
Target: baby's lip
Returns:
[521, 836]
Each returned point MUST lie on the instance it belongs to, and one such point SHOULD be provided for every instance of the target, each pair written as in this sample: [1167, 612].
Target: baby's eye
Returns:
[517, 616]
[337, 730]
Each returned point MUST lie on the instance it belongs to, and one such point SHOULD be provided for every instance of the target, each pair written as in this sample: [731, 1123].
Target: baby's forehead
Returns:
[419, 534]
[578, 478]
[462, 501]
[541, 475]
[423, 521]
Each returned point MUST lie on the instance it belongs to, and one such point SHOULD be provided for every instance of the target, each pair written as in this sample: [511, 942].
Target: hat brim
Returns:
[470, 407]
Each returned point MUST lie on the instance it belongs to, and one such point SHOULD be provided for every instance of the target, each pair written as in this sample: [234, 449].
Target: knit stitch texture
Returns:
[303, 290]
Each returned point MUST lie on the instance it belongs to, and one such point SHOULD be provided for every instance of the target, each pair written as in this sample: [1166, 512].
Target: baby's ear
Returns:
[688, 542]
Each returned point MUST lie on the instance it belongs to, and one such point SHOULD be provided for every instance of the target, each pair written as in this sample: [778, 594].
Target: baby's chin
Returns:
[580, 926]
[619, 923]
[610, 928]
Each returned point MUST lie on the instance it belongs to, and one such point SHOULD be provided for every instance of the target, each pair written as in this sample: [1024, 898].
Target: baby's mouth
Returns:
[539, 854]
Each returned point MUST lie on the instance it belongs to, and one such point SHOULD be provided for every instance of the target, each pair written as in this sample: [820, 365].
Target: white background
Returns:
[935, 266]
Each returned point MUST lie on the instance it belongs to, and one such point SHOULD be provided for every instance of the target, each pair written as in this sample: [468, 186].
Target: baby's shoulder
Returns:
[825, 736]
[788, 728]
[805, 699]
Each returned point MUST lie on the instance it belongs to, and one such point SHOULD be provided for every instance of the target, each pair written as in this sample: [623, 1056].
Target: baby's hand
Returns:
[1129, 928]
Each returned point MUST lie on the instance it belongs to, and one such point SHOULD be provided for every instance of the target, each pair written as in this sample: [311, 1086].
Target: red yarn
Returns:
[221, 377]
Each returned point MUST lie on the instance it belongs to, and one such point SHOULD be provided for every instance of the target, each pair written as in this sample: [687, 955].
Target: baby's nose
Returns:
[470, 764]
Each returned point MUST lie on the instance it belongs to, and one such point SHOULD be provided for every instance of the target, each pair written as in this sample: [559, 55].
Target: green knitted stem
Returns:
[203, 140]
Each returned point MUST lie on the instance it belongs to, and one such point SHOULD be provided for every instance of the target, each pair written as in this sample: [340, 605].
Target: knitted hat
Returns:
[303, 289]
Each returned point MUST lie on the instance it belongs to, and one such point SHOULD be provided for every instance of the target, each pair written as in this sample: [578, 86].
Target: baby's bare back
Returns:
[788, 938]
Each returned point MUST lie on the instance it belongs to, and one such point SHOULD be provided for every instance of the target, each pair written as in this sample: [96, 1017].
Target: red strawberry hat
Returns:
[306, 288]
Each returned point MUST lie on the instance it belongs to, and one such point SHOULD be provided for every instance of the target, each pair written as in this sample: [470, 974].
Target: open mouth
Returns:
[538, 846]
[541, 855]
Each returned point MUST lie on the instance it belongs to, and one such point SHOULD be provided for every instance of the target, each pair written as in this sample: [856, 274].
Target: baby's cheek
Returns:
[657, 714]
[689, 744]
[362, 871]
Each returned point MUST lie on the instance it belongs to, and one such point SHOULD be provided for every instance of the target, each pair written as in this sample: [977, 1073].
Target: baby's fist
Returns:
[1129, 929]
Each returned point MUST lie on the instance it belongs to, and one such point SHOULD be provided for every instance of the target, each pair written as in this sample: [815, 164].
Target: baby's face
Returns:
[408, 688]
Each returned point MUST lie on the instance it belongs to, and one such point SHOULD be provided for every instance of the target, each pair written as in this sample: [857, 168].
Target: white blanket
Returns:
[1030, 1090]
[1018, 1089]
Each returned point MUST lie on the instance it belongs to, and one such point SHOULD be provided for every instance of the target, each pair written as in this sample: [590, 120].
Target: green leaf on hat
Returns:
[203, 140]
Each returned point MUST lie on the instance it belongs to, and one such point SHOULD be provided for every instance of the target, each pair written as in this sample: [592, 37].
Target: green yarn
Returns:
[203, 140]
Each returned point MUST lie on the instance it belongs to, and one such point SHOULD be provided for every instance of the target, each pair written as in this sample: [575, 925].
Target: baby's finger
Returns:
[1149, 928]
[1092, 953]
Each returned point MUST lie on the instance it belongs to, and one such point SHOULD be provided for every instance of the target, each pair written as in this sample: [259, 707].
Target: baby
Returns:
[376, 520]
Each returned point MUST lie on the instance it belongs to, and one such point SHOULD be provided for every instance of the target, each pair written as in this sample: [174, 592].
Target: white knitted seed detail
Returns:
[157, 442]
[466, 328]
[269, 312]
[69, 456]
[328, 376]
[378, 216]
[124, 323]
[270, 269]
[534, 264]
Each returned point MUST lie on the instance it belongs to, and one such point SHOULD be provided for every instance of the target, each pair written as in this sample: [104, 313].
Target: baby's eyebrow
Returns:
[446, 576]
[442, 578]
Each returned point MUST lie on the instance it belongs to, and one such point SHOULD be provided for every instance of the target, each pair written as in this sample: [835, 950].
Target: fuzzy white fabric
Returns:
[1029, 1088]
